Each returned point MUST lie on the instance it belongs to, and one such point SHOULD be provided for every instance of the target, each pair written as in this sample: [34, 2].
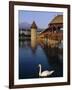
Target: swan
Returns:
[44, 73]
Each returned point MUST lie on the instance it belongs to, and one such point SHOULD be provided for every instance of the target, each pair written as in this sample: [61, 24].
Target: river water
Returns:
[31, 55]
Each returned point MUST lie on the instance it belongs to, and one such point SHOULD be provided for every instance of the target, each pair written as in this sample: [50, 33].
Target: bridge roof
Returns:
[57, 19]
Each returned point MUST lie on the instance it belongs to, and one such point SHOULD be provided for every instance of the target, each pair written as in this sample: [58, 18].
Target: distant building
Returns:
[24, 34]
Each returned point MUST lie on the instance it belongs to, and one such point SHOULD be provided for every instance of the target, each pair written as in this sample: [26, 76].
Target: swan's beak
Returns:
[52, 71]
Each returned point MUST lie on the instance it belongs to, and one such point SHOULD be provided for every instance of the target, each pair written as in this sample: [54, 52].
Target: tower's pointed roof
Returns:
[34, 25]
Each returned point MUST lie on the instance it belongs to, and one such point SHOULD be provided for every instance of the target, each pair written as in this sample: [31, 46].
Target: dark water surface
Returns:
[31, 55]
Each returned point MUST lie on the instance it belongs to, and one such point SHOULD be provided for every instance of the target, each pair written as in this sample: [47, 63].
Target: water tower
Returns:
[33, 34]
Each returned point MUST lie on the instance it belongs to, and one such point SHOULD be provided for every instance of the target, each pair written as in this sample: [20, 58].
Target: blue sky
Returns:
[41, 18]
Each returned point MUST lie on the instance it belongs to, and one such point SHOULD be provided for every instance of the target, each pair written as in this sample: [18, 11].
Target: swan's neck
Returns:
[40, 70]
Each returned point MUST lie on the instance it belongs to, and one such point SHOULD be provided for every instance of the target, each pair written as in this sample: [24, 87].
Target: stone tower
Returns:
[33, 31]
[33, 34]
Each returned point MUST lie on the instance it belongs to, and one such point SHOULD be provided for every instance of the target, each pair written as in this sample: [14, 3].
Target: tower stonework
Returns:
[33, 35]
[33, 32]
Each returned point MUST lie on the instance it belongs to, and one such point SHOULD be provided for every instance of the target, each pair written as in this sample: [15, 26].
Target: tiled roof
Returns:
[57, 19]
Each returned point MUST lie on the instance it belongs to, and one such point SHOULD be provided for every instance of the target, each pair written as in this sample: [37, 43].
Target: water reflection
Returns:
[33, 45]
[31, 54]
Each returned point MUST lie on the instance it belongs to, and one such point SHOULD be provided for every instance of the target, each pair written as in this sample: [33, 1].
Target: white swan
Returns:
[44, 73]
